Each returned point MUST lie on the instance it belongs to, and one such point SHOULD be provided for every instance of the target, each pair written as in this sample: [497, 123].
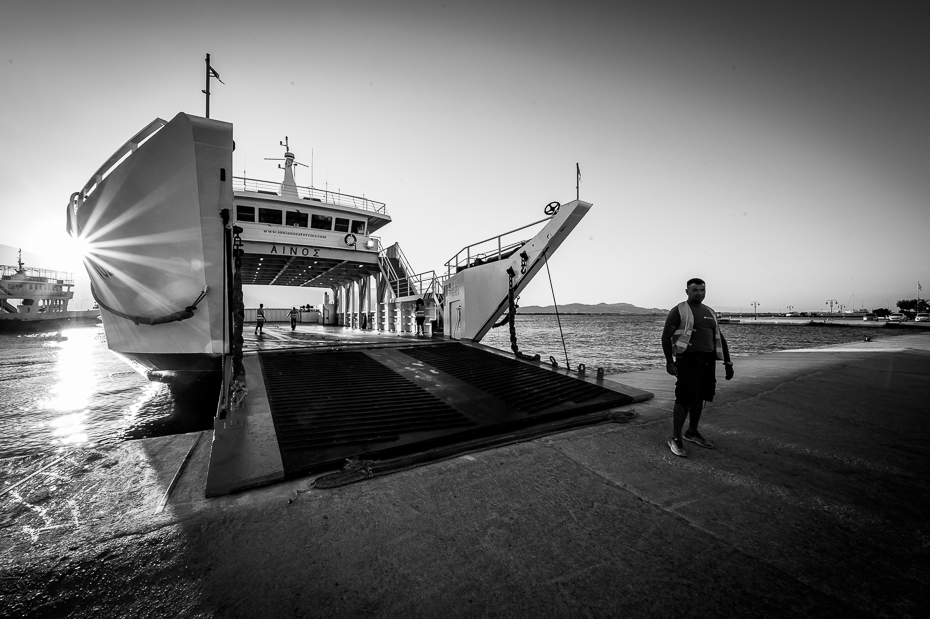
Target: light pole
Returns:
[755, 305]
[831, 302]
[790, 307]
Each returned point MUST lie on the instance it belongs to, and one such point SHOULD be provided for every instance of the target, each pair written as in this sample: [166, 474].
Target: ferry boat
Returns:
[34, 299]
[169, 236]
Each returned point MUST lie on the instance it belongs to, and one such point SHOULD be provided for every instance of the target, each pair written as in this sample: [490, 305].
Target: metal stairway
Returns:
[397, 271]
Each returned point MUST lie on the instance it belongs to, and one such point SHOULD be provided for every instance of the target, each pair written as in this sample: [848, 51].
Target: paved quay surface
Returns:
[813, 503]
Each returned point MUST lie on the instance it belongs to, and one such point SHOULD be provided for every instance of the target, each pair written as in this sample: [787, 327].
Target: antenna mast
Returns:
[289, 186]
[210, 73]
[207, 91]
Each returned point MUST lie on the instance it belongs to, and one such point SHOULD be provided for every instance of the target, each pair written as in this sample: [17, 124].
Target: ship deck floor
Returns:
[323, 398]
[278, 336]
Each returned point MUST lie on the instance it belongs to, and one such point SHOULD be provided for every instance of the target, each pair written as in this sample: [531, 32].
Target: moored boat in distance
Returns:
[34, 299]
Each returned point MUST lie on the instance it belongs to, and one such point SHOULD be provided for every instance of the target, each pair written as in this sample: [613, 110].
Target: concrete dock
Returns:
[813, 503]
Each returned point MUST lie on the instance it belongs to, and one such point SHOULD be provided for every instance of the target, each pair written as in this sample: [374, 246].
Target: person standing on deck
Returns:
[692, 343]
[293, 314]
[421, 317]
[260, 319]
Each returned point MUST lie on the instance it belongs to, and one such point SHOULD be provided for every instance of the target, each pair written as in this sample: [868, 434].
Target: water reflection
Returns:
[74, 386]
[70, 429]
[61, 390]
[133, 411]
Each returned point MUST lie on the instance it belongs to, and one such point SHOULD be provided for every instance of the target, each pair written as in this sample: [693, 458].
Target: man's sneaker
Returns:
[697, 439]
[677, 448]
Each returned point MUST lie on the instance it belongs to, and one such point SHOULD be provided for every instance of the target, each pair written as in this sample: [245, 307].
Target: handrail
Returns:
[425, 282]
[388, 267]
[38, 275]
[126, 149]
[402, 259]
[396, 253]
[311, 194]
[500, 248]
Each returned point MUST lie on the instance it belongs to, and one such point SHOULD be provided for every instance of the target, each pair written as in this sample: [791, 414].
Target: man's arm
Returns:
[672, 322]
[727, 364]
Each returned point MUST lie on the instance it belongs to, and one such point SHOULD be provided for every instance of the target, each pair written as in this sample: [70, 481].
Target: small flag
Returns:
[578, 170]
[919, 287]
[213, 73]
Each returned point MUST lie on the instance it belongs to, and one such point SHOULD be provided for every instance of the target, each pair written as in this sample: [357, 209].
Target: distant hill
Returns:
[600, 308]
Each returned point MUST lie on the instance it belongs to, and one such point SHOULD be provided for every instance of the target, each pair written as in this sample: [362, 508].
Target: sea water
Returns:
[61, 389]
[65, 389]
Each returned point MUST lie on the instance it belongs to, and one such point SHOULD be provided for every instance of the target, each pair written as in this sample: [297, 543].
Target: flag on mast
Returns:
[213, 73]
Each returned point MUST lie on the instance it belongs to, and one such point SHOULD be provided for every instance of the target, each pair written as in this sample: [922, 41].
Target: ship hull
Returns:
[171, 367]
[153, 240]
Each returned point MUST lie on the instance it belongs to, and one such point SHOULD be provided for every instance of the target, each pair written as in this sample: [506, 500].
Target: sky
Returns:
[778, 150]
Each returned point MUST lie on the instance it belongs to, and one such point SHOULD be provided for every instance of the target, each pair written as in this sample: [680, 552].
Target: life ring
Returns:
[351, 240]
[552, 208]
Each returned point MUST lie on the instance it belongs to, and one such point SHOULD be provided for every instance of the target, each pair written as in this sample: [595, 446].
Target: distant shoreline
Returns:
[552, 313]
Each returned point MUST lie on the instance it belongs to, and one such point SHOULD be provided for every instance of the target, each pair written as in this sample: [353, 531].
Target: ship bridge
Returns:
[305, 237]
[300, 236]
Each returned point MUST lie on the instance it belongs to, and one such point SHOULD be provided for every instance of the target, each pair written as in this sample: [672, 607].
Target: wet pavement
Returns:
[812, 503]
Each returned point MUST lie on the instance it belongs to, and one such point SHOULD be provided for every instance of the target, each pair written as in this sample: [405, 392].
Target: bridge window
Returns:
[321, 222]
[245, 213]
[269, 216]
[342, 225]
[296, 218]
[358, 227]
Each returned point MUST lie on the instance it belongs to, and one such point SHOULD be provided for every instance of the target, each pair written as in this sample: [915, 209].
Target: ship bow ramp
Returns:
[377, 409]
[479, 292]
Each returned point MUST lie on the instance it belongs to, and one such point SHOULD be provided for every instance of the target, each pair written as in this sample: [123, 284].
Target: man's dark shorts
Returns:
[696, 378]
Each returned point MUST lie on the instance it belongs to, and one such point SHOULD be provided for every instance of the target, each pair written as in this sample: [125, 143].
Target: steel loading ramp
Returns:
[325, 407]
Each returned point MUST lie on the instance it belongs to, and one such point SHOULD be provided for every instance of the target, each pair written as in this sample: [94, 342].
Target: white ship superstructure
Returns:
[32, 298]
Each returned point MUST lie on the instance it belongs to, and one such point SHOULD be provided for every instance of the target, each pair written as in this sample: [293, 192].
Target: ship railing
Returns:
[490, 249]
[394, 251]
[124, 151]
[117, 158]
[311, 194]
[43, 276]
[388, 269]
[426, 283]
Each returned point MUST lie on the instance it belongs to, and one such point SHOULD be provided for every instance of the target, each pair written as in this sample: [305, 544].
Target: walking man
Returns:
[293, 314]
[260, 319]
[693, 336]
